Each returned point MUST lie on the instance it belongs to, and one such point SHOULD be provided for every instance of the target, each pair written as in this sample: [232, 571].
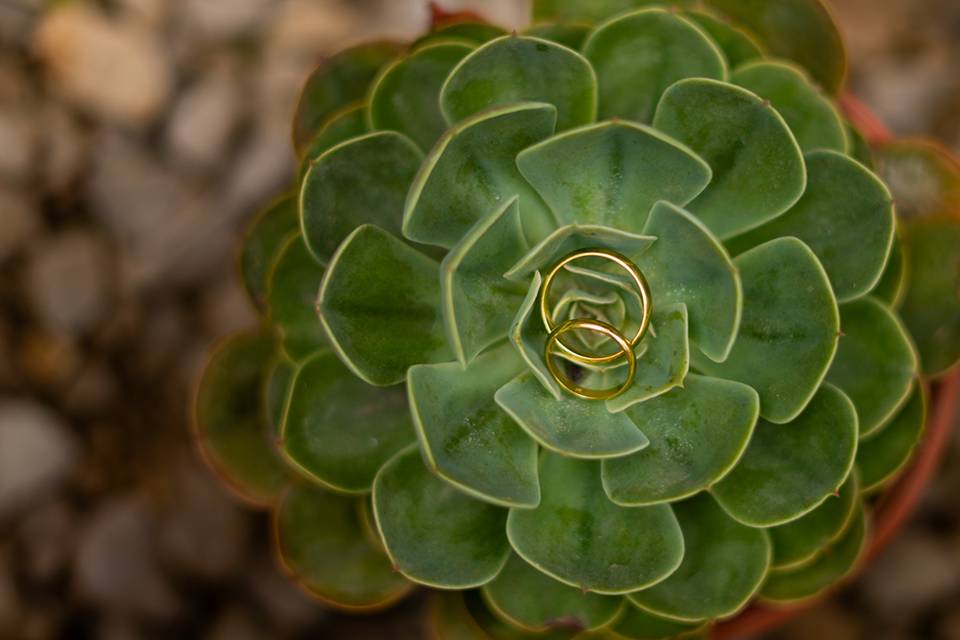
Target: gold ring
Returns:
[600, 327]
[638, 279]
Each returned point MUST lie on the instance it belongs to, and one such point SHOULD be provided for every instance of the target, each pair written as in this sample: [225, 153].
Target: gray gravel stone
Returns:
[19, 221]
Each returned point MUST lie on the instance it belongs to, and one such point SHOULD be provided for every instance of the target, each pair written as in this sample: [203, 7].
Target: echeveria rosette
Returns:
[413, 435]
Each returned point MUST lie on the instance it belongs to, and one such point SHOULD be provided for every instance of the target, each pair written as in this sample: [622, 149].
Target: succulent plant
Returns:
[591, 328]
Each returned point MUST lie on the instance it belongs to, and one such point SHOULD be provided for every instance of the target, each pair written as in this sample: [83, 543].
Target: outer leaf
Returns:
[737, 45]
[687, 264]
[572, 238]
[320, 543]
[449, 619]
[362, 181]
[293, 282]
[892, 286]
[229, 425]
[336, 83]
[758, 170]
[924, 178]
[276, 391]
[612, 174]
[435, 534]
[637, 624]
[638, 55]
[724, 563]
[349, 122]
[789, 470]
[475, 33]
[697, 434]
[800, 30]
[406, 97]
[665, 361]
[579, 537]
[860, 149]
[931, 308]
[846, 218]
[813, 118]
[568, 34]
[792, 585]
[882, 456]
[515, 69]
[536, 602]
[472, 171]
[262, 241]
[568, 425]
[339, 430]
[466, 439]
[478, 302]
[790, 324]
[800, 541]
[875, 364]
[380, 304]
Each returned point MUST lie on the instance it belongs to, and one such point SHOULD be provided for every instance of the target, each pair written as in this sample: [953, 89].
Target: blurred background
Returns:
[136, 138]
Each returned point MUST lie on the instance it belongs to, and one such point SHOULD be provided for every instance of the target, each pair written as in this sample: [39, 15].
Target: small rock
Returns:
[204, 119]
[93, 390]
[224, 20]
[237, 624]
[290, 609]
[18, 139]
[68, 281]
[226, 308]
[19, 222]
[46, 538]
[116, 567]
[37, 452]
[47, 358]
[109, 66]
[64, 148]
[204, 534]
[911, 575]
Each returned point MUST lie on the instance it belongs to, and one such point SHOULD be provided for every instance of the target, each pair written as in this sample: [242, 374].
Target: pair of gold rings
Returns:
[556, 334]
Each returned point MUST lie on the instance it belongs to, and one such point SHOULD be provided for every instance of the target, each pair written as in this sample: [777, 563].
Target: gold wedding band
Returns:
[586, 324]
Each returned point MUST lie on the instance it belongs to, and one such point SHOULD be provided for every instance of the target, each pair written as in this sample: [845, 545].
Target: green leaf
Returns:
[838, 562]
[473, 170]
[924, 178]
[349, 122]
[475, 33]
[724, 563]
[637, 624]
[569, 35]
[536, 602]
[336, 83]
[406, 96]
[276, 391]
[687, 264]
[875, 363]
[860, 149]
[737, 45]
[478, 302]
[466, 439]
[574, 237]
[362, 181]
[582, 539]
[697, 434]
[892, 286]
[612, 173]
[338, 430]
[435, 534]
[846, 218]
[568, 425]
[293, 282]
[528, 336]
[380, 304]
[638, 55]
[758, 170]
[228, 420]
[788, 331]
[800, 541]
[882, 456]
[790, 469]
[813, 118]
[799, 30]
[931, 308]
[447, 618]
[665, 361]
[262, 241]
[585, 10]
[320, 543]
[515, 69]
